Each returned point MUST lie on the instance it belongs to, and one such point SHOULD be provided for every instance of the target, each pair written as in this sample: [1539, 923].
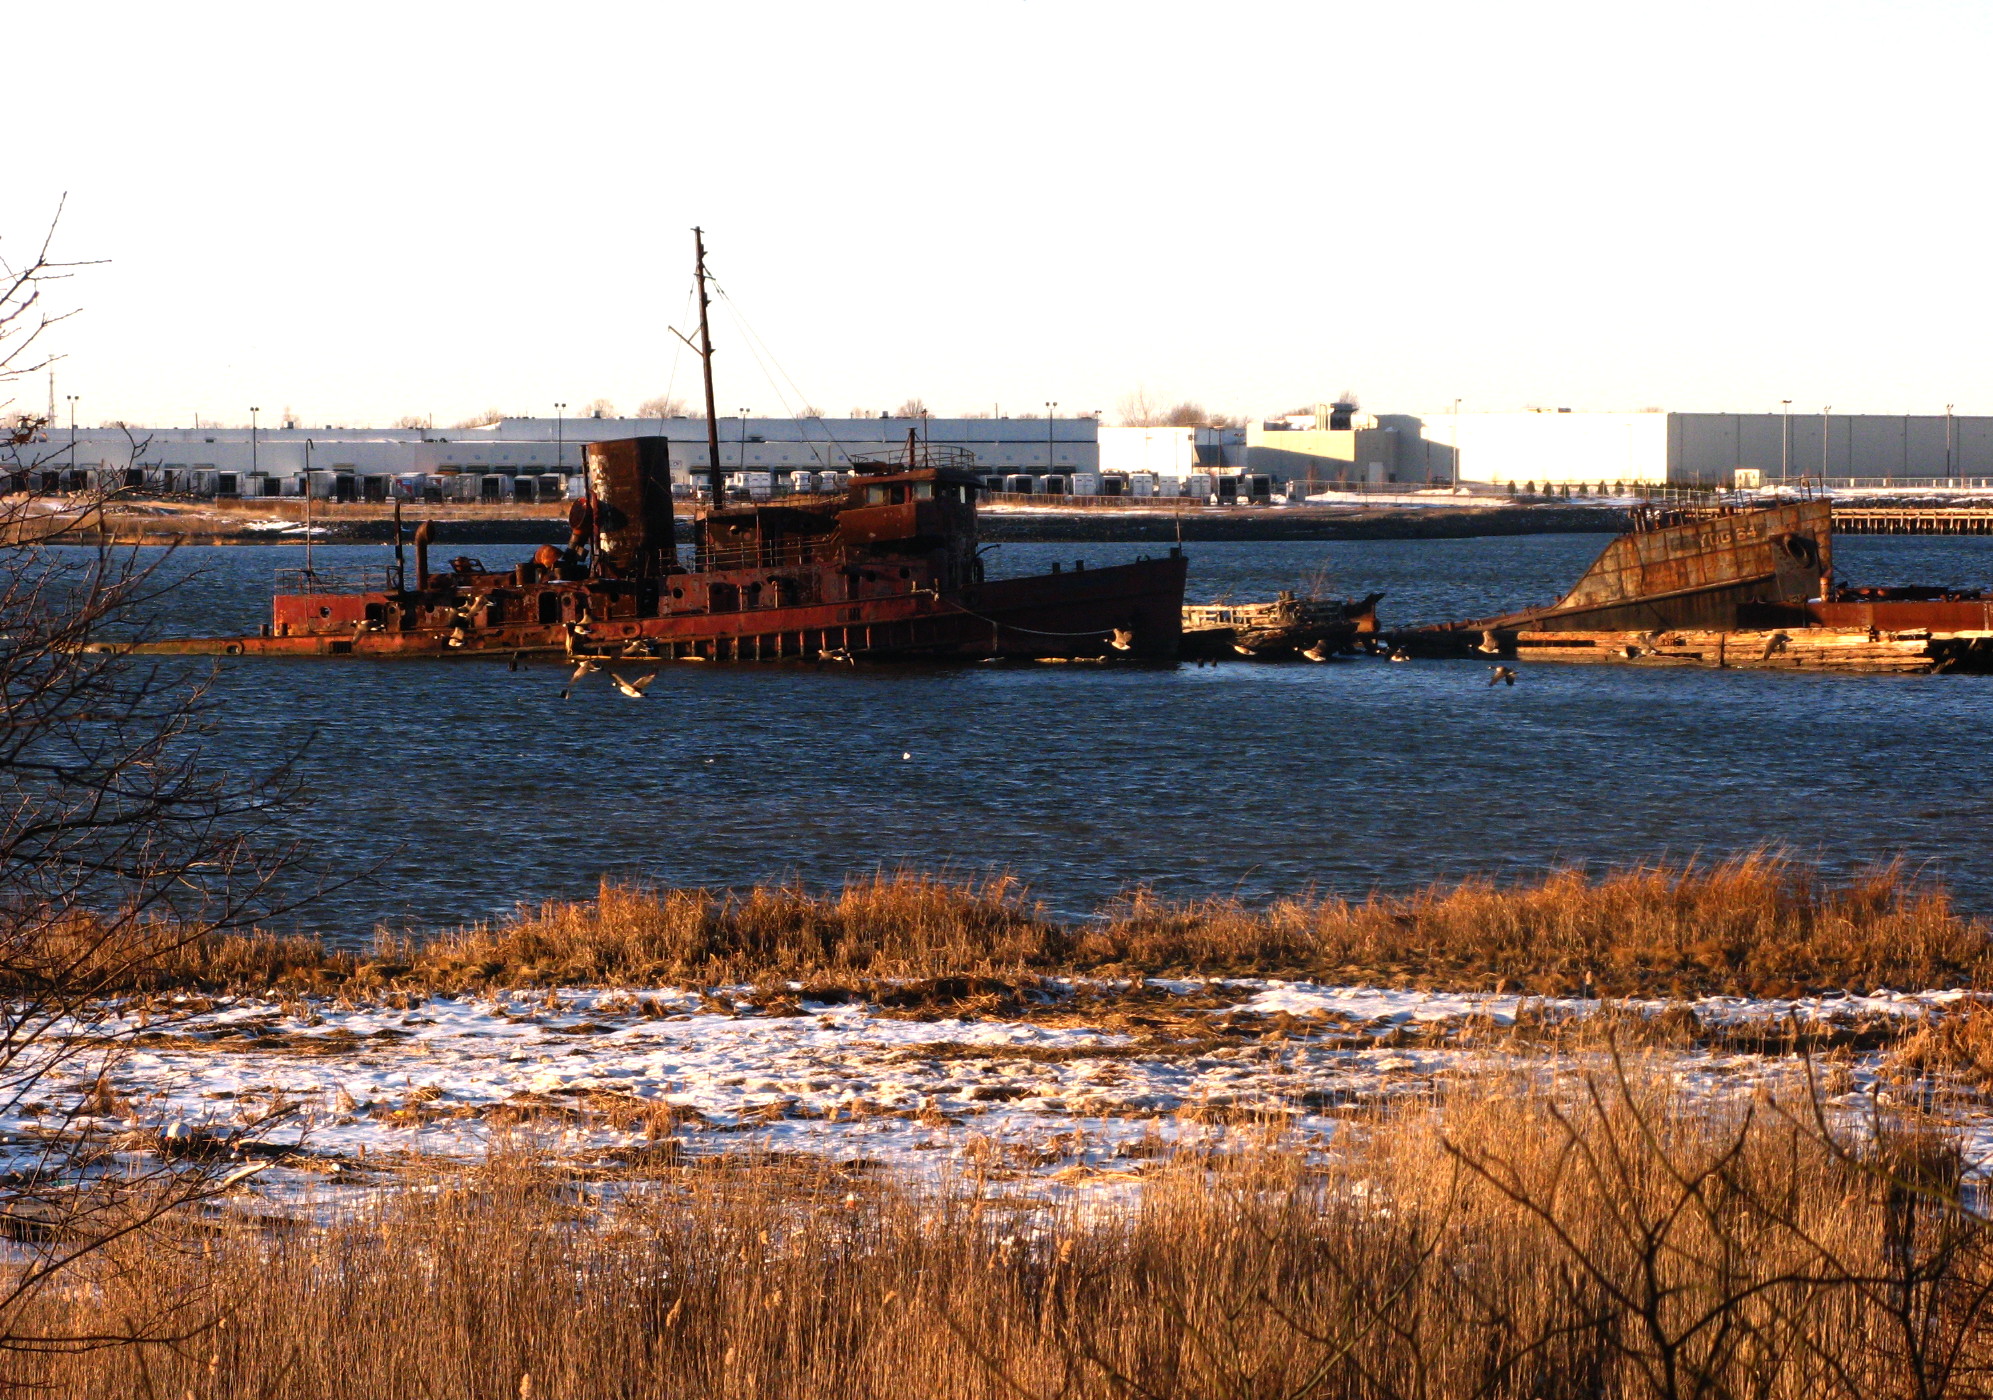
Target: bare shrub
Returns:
[122, 845]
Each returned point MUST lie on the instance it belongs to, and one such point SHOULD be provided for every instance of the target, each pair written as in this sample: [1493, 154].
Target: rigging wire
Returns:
[677, 352]
[748, 339]
[752, 338]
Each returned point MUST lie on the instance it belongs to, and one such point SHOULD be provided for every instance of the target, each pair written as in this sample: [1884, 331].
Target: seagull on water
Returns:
[1400, 654]
[634, 689]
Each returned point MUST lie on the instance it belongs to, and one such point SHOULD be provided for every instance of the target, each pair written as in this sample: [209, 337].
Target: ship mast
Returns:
[706, 362]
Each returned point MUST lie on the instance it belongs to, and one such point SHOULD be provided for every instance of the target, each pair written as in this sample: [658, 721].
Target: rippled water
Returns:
[475, 787]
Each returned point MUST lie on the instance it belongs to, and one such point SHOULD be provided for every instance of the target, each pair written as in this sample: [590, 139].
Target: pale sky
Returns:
[365, 210]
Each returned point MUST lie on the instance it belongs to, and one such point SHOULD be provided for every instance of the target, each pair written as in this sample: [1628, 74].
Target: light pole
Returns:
[1948, 442]
[1456, 444]
[307, 509]
[72, 430]
[560, 455]
[1826, 424]
[742, 435]
[253, 411]
[1784, 442]
[1051, 407]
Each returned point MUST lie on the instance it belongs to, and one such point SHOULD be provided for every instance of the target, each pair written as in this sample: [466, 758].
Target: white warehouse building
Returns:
[341, 461]
[1702, 449]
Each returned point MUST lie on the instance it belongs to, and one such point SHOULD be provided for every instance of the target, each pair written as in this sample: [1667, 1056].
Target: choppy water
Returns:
[474, 787]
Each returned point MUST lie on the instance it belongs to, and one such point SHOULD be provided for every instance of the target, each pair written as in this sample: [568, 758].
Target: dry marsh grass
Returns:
[1605, 1237]
[1759, 925]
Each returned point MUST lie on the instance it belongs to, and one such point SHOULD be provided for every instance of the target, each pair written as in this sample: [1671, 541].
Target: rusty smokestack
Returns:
[631, 481]
[424, 533]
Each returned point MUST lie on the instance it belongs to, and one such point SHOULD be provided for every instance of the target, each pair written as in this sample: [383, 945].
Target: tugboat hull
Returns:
[1049, 615]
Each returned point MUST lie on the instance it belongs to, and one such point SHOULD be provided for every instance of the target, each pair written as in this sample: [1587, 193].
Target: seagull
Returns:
[836, 654]
[634, 689]
[1400, 654]
[1122, 640]
[1317, 652]
[906, 755]
[586, 668]
[1490, 645]
[1503, 675]
[1242, 649]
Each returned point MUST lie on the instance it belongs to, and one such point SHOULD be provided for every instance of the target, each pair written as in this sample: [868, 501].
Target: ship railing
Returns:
[351, 578]
[771, 554]
[915, 456]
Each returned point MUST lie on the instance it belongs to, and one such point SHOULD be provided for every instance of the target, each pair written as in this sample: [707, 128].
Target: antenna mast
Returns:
[706, 362]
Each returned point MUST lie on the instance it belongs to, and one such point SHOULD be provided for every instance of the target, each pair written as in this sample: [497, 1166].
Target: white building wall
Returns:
[538, 445]
[1165, 451]
[1556, 448]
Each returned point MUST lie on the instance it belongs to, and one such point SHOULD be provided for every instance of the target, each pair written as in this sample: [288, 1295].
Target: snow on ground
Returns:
[1051, 1093]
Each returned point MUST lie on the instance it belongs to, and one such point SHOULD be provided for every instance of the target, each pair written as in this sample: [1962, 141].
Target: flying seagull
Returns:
[1317, 652]
[585, 668]
[1122, 639]
[1503, 675]
[634, 689]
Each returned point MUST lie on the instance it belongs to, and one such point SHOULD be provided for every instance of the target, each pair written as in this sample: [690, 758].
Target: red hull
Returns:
[1064, 614]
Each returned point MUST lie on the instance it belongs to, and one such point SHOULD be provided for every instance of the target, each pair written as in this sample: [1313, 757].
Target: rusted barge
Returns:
[1746, 587]
[1317, 629]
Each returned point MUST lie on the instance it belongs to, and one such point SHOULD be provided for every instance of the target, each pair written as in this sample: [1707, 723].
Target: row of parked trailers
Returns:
[491, 487]
[1201, 485]
[523, 487]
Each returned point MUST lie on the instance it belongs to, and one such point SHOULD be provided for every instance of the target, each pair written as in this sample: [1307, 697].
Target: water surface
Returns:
[474, 787]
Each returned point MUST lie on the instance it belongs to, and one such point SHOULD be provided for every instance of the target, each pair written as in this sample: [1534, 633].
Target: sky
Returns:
[363, 211]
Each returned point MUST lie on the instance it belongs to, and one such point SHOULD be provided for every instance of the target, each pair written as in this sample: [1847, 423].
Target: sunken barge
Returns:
[887, 569]
[1316, 629]
[1733, 587]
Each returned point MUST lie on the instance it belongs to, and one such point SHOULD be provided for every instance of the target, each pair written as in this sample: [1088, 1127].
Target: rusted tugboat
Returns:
[889, 568]
[1748, 587]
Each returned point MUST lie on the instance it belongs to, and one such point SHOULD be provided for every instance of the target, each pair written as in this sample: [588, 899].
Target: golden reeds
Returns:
[1757, 925]
[1601, 1234]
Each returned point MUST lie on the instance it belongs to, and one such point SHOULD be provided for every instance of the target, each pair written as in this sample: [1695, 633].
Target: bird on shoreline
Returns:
[1503, 675]
[634, 689]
